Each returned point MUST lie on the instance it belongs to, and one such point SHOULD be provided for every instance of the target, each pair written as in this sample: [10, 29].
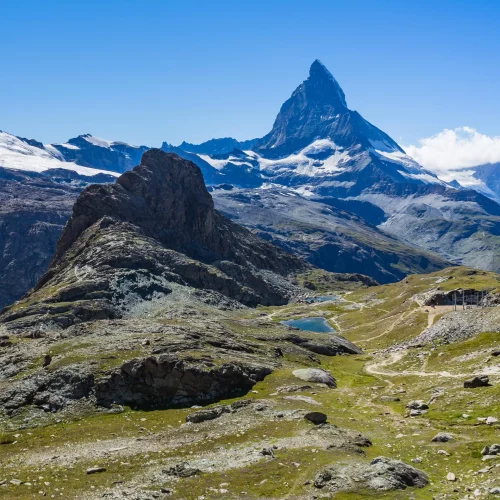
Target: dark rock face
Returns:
[33, 210]
[167, 199]
[131, 242]
[381, 474]
[165, 381]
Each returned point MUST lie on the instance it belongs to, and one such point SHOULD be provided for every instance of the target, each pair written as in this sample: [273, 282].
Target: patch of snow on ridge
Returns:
[96, 141]
[19, 155]
[67, 145]
[320, 146]
[252, 154]
[412, 169]
[425, 177]
[218, 164]
[53, 151]
[305, 191]
[303, 165]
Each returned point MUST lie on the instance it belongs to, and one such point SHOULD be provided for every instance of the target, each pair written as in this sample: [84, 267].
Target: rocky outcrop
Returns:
[135, 241]
[160, 382]
[381, 474]
[165, 196]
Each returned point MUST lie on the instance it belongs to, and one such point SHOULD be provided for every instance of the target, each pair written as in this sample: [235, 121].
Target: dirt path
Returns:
[432, 312]
[378, 368]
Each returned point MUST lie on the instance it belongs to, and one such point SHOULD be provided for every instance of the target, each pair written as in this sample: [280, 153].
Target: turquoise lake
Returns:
[317, 325]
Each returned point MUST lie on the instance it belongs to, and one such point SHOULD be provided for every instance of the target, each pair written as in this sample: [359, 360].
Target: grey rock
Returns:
[340, 437]
[460, 325]
[417, 404]
[183, 470]
[416, 413]
[159, 382]
[50, 391]
[267, 452]
[317, 375]
[209, 414]
[381, 474]
[293, 388]
[332, 345]
[494, 449]
[442, 437]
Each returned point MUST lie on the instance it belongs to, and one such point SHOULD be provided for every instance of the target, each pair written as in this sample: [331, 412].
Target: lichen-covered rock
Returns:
[381, 474]
[332, 345]
[208, 414]
[442, 437]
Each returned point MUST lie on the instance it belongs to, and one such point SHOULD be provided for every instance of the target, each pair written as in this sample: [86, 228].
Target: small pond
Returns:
[322, 298]
[318, 325]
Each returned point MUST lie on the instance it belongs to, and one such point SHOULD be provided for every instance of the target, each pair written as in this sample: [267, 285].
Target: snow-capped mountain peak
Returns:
[29, 155]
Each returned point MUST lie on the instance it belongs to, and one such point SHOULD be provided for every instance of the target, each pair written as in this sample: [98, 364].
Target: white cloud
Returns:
[451, 154]
[455, 149]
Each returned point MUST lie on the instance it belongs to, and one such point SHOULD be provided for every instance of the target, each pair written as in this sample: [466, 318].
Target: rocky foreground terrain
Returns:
[151, 361]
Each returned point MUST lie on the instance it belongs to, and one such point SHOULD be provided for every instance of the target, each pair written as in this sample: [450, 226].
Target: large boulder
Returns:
[381, 474]
[317, 375]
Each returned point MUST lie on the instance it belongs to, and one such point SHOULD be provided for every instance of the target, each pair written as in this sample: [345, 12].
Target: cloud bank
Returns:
[452, 154]
[455, 149]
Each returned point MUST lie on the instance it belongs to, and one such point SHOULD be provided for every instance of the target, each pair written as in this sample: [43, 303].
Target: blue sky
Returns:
[145, 72]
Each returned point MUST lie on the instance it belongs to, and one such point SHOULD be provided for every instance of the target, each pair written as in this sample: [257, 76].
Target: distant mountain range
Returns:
[325, 160]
